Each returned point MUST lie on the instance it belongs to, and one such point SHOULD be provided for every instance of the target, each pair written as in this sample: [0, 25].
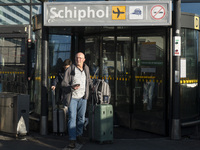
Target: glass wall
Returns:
[101, 55]
[92, 55]
[12, 65]
[150, 73]
[149, 81]
[18, 12]
[16, 57]
[36, 75]
[134, 67]
[108, 61]
[59, 50]
[189, 84]
[123, 72]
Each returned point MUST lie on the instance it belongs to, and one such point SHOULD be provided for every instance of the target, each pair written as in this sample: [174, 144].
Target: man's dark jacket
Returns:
[57, 82]
[67, 82]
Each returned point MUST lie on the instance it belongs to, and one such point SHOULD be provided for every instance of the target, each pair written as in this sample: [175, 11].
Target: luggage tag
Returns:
[105, 99]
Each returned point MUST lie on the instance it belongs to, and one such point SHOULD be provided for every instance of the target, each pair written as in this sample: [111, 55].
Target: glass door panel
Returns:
[12, 65]
[59, 51]
[92, 55]
[123, 63]
[149, 83]
[134, 68]
[108, 63]
[100, 57]
[189, 85]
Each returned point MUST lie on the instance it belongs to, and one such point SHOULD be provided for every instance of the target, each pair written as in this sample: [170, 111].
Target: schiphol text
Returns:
[79, 14]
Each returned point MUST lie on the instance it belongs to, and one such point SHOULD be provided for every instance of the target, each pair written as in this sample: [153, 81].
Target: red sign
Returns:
[157, 12]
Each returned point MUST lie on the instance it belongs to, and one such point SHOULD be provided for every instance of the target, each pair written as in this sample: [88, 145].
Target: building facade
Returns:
[134, 58]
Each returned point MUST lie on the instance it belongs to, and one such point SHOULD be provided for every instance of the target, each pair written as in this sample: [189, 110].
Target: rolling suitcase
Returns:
[59, 117]
[101, 123]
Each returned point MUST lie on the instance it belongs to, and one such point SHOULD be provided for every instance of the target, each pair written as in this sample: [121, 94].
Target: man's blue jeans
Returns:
[76, 117]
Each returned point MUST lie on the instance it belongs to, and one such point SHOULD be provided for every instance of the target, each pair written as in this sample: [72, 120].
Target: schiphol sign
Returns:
[108, 13]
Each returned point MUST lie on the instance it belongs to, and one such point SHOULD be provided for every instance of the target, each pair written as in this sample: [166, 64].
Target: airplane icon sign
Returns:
[118, 12]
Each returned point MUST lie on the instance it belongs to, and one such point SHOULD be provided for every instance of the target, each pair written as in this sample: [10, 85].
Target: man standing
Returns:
[75, 85]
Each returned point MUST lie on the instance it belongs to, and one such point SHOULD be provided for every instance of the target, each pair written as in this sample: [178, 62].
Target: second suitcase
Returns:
[59, 121]
[101, 123]
[59, 117]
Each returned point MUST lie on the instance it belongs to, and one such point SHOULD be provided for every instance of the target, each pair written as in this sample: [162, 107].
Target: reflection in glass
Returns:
[36, 75]
[16, 1]
[92, 55]
[12, 65]
[108, 63]
[188, 88]
[149, 74]
[123, 73]
[59, 50]
[18, 14]
[14, 14]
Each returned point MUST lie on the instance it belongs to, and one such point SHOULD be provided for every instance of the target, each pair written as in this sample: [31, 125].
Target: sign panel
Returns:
[148, 51]
[177, 46]
[196, 22]
[183, 68]
[158, 12]
[108, 13]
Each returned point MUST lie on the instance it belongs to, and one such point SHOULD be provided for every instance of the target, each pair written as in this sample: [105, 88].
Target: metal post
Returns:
[176, 126]
[44, 79]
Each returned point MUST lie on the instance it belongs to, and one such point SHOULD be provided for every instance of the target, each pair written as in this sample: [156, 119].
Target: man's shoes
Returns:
[80, 140]
[72, 144]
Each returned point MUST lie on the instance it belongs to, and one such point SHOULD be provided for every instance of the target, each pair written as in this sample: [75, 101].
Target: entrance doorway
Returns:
[133, 62]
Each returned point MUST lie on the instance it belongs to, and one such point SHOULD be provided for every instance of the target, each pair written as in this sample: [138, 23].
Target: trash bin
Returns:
[13, 106]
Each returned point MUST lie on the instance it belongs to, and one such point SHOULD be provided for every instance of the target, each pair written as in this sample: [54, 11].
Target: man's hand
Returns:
[76, 86]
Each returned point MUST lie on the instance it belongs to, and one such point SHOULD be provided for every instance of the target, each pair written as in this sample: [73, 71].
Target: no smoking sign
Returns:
[157, 12]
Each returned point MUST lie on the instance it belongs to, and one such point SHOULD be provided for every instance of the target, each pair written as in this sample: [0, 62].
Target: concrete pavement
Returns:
[143, 141]
[146, 144]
